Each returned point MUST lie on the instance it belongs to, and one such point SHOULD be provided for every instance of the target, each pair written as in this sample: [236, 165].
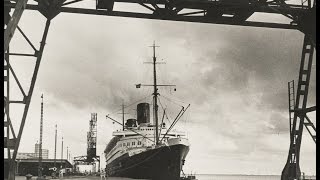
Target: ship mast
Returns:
[155, 92]
[122, 115]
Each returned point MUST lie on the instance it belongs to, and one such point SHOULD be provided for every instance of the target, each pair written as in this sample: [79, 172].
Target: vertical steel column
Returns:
[40, 141]
[291, 170]
[61, 151]
[8, 143]
[122, 115]
[55, 148]
[7, 106]
[27, 100]
[292, 101]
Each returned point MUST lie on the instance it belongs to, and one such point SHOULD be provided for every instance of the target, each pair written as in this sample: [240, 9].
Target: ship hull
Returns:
[164, 163]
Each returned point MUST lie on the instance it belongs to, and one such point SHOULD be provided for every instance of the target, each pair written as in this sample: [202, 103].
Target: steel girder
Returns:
[200, 11]
[292, 170]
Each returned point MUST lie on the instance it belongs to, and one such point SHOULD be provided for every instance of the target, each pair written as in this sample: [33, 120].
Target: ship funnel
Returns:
[143, 113]
[131, 123]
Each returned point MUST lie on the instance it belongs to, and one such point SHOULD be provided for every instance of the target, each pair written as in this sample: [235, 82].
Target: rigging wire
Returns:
[137, 101]
[144, 136]
[164, 109]
[172, 100]
[186, 121]
[164, 112]
[131, 104]
[183, 110]
[177, 118]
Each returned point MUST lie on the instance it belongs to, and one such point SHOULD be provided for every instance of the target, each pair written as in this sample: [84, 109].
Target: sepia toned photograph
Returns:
[159, 89]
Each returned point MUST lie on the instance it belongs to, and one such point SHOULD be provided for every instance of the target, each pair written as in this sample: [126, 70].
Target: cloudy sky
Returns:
[235, 79]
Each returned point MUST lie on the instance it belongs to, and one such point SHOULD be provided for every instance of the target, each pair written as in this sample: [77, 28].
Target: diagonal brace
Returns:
[27, 39]
[16, 78]
[13, 23]
[28, 99]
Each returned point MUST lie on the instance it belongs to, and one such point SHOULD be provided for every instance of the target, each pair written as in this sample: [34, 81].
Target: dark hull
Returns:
[163, 163]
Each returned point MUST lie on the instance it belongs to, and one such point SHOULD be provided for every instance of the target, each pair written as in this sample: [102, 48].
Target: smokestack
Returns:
[143, 113]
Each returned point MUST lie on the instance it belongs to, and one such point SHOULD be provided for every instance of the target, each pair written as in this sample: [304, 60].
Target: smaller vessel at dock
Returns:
[189, 177]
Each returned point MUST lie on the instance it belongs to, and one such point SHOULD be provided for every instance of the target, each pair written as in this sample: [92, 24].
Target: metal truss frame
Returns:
[13, 143]
[298, 108]
[201, 11]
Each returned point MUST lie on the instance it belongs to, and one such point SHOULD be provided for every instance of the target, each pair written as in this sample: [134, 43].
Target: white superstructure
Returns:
[142, 138]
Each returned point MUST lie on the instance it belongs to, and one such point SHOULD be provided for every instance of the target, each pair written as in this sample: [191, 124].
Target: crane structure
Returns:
[302, 17]
[298, 114]
[91, 157]
[92, 137]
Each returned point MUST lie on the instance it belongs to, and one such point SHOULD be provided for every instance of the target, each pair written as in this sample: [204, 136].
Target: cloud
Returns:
[278, 123]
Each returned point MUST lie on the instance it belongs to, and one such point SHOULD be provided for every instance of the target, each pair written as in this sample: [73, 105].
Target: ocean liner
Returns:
[146, 150]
